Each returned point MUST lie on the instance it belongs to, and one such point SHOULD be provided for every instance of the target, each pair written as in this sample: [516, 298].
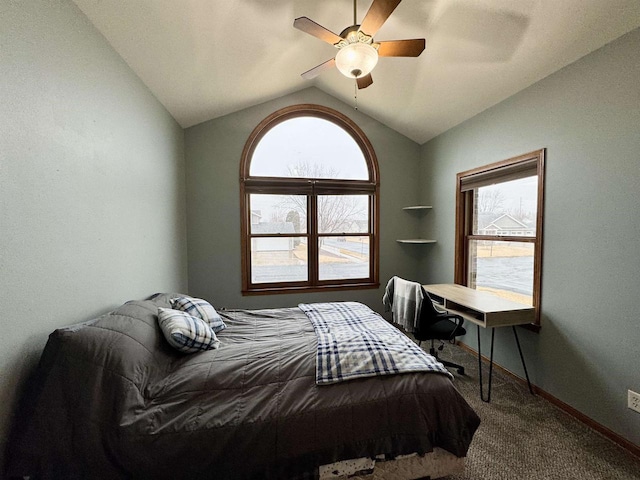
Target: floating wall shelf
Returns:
[416, 241]
[418, 207]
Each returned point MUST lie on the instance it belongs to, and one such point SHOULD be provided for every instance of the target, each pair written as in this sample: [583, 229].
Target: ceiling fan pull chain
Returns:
[355, 93]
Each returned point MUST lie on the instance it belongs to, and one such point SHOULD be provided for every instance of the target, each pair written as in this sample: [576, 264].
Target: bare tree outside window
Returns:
[336, 213]
[490, 201]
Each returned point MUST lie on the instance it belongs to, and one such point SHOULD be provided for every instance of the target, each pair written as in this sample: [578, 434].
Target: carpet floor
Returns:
[523, 436]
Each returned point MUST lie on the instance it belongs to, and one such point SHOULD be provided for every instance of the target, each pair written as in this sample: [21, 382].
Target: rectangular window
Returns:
[277, 255]
[343, 257]
[278, 214]
[278, 259]
[343, 214]
[499, 211]
[344, 237]
[314, 239]
[502, 268]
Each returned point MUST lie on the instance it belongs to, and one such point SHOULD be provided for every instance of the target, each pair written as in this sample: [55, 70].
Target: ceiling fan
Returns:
[357, 52]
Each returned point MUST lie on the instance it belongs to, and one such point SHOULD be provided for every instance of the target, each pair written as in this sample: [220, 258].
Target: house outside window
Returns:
[499, 219]
[310, 203]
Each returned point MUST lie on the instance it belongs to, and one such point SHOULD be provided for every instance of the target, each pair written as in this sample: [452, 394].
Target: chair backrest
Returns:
[428, 312]
[403, 298]
[429, 315]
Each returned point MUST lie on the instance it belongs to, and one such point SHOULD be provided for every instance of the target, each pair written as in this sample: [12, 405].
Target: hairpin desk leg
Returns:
[488, 399]
[526, 374]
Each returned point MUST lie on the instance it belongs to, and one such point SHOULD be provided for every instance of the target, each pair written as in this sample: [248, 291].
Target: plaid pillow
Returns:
[186, 333]
[201, 309]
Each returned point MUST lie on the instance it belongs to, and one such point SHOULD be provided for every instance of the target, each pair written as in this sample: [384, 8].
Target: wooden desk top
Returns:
[482, 308]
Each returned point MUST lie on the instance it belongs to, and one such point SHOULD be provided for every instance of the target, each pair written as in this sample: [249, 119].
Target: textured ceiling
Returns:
[204, 58]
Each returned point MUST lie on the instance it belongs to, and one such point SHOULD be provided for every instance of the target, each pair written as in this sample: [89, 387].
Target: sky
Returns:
[323, 146]
[305, 147]
[517, 195]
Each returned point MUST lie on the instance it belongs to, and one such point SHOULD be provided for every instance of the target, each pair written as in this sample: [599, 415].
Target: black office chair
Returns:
[438, 325]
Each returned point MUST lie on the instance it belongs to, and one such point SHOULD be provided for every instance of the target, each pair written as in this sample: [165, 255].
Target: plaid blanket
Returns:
[356, 342]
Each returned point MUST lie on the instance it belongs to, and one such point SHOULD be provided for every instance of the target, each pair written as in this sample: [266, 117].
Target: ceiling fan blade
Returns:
[377, 15]
[312, 28]
[401, 48]
[364, 82]
[315, 71]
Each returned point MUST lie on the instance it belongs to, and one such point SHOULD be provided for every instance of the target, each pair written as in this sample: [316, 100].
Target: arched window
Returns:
[309, 188]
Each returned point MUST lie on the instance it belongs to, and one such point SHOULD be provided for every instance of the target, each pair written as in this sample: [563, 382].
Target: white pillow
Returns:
[186, 333]
[200, 308]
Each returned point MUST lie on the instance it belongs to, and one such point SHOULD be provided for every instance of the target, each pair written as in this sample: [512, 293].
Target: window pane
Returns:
[308, 147]
[278, 259]
[507, 208]
[503, 268]
[278, 213]
[343, 257]
[343, 214]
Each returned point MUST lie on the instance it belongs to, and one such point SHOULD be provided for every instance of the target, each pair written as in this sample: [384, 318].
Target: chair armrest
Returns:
[459, 321]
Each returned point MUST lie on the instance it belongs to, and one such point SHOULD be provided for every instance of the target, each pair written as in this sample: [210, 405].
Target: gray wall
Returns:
[213, 151]
[587, 115]
[92, 203]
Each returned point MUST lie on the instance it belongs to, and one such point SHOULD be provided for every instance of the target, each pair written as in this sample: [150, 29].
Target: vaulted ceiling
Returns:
[204, 58]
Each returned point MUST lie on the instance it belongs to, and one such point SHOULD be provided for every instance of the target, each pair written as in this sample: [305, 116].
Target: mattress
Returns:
[113, 400]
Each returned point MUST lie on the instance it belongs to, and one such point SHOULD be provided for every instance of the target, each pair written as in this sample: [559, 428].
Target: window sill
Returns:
[533, 327]
[315, 288]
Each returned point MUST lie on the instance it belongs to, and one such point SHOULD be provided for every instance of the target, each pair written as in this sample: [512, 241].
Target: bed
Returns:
[111, 399]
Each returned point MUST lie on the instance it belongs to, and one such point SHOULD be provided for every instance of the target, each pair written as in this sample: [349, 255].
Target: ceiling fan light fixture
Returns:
[356, 59]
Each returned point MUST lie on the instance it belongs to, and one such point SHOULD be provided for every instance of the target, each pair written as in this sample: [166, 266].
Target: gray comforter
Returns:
[113, 400]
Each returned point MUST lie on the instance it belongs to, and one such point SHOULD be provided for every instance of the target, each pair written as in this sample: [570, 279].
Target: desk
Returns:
[486, 310]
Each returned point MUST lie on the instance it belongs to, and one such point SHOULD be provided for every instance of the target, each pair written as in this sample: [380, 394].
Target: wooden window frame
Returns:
[529, 164]
[312, 188]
